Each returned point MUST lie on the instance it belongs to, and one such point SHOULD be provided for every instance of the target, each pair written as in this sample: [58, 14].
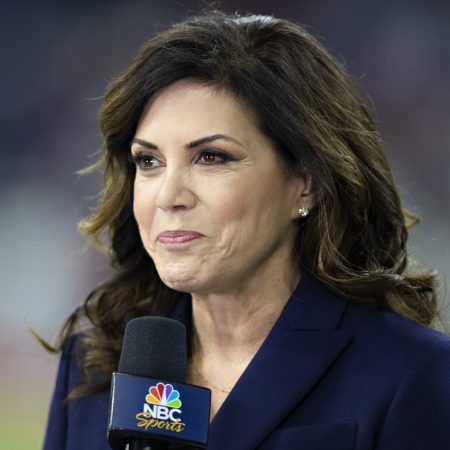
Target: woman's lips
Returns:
[178, 236]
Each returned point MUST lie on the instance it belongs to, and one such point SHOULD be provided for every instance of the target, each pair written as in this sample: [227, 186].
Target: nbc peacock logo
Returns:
[164, 394]
[162, 409]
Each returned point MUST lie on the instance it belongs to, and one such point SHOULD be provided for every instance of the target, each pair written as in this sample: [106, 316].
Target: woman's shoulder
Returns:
[71, 424]
[69, 368]
[396, 333]
[409, 361]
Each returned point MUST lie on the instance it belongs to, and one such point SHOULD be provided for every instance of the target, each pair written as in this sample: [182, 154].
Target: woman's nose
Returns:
[175, 190]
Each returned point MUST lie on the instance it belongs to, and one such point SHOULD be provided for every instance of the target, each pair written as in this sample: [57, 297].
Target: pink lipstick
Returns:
[178, 236]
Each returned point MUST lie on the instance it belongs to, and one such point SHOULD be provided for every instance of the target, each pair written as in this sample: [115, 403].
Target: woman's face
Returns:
[215, 210]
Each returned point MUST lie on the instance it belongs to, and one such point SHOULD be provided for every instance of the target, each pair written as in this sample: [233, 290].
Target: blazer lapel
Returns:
[301, 346]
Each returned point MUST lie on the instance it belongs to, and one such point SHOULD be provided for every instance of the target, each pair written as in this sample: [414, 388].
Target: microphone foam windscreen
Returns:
[154, 347]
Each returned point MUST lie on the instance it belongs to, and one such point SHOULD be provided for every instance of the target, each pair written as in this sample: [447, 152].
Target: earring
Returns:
[303, 212]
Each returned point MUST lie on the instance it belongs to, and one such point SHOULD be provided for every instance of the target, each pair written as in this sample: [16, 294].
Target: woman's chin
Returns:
[181, 279]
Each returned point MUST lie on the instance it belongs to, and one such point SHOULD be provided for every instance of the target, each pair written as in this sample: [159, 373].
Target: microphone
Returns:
[151, 406]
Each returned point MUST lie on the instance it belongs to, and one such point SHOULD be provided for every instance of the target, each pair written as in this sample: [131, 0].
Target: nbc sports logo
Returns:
[163, 402]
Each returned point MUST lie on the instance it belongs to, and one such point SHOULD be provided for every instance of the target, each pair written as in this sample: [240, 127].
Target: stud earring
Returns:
[303, 212]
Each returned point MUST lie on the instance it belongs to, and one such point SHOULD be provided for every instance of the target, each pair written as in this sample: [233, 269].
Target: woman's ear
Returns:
[305, 198]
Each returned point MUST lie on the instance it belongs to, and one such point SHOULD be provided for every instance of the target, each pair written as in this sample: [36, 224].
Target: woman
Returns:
[243, 167]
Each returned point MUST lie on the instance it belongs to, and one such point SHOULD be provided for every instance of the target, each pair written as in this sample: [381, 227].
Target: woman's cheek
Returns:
[232, 200]
[143, 208]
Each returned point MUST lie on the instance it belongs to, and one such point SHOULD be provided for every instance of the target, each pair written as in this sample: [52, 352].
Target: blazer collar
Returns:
[302, 344]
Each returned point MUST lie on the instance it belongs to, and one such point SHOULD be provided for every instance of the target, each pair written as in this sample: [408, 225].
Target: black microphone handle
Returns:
[144, 444]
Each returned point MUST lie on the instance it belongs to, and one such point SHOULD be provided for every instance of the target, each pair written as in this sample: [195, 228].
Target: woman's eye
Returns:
[145, 162]
[210, 157]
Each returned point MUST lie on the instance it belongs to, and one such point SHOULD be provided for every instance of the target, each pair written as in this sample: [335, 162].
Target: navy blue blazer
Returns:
[331, 375]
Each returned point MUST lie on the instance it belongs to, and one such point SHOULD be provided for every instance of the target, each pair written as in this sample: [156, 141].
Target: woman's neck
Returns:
[231, 327]
[228, 329]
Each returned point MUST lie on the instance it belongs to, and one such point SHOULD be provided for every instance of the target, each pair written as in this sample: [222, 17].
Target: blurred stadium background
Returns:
[56, 60]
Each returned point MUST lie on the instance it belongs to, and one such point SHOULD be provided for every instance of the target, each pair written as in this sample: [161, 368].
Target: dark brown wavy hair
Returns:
[355, 238]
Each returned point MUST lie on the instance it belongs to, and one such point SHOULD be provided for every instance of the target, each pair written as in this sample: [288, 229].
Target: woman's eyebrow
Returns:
[208, 139]
[143, 143]
[196, 143]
